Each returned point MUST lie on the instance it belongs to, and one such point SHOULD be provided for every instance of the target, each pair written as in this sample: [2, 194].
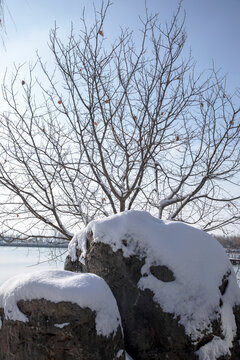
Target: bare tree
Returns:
[117, 127]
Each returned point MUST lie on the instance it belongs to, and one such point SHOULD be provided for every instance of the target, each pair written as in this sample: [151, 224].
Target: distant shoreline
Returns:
[64, 246]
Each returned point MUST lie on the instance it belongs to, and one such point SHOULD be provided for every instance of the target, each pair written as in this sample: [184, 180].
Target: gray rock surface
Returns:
[149, 332]
[56, 331]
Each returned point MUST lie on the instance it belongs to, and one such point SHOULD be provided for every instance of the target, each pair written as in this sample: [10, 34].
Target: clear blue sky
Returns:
[213, 27]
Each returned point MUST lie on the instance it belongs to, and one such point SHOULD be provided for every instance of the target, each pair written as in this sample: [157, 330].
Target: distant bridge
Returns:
[234, 256]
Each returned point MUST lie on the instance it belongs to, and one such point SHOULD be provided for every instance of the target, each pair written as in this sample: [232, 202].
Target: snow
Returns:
[237, 272]
[128, 357]
[217, 346]
[197, 260]
[61, 326]
[79, 241]
[119, 353]
[86, 290]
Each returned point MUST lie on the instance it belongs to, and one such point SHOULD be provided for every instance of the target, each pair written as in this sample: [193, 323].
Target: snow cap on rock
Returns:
[197, 261]
[86, 290]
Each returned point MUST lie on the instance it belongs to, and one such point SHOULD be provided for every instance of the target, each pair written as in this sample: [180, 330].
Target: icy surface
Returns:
[197, 260]
[86, 290]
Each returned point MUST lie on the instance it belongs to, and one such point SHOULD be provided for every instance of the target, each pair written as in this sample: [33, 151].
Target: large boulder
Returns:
[175, 287]
[58, 315]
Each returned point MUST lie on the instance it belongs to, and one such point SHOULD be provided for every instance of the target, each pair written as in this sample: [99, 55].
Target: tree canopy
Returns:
[118, 126]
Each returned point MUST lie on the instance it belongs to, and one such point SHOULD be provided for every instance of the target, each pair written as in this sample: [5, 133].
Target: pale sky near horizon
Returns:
[213, 28]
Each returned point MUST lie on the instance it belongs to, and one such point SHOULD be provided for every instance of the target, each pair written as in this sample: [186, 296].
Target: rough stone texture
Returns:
[41, 339]
[162, 273]
[74, 266]
[149, 332]
[224, 283]
[236, 346]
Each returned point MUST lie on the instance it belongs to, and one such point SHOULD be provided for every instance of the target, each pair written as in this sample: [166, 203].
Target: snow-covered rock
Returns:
[59, 315]
[175, 286]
